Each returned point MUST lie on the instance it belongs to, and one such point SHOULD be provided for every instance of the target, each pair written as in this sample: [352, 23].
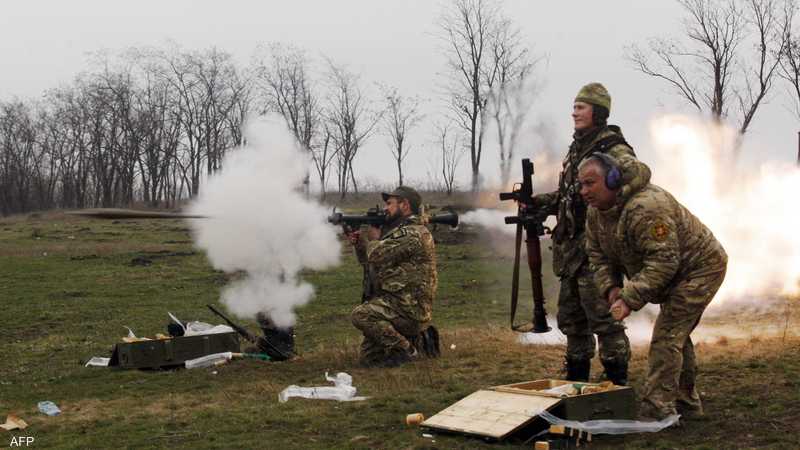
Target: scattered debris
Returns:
[343, 390]
[13, 423]
[415, 419]
[560, 437]
[49, 408]
[97, 361]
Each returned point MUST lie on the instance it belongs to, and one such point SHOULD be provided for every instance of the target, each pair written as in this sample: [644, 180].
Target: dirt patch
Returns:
[83, 257]
[68, 295]
[146, 258]
[443, 235]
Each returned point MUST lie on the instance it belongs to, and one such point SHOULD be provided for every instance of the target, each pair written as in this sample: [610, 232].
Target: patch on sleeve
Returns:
[400, 232]
[659, 231]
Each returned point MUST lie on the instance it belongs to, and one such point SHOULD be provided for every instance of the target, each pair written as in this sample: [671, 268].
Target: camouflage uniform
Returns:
[401, 287]
[670, 258]
[582, 310]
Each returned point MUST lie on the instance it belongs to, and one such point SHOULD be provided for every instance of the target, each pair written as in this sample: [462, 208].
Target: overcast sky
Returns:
[45, 43]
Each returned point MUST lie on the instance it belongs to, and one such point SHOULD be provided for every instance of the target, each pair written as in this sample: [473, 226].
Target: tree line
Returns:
[147, 125]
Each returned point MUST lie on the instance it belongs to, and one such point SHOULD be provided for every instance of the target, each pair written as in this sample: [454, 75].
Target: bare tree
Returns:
[481, 46]
[207, 87]
[350, 121]
[324, 152]
[451, 150]
[511, 98]
[400, 116]
[287, 88]
[790, 66]
[730, 55]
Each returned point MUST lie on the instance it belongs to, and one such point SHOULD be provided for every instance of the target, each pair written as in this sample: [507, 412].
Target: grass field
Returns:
[69, 285]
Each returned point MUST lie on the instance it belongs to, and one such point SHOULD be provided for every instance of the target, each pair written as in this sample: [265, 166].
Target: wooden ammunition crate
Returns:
[509, 410]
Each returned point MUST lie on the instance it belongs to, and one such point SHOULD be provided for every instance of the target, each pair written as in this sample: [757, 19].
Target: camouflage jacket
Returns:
[652, 240]
[401, 268]
[568, 206]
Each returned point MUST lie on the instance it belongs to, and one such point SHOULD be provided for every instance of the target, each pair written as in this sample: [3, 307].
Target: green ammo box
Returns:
[164, 353]
[512, 410]
[617, 404]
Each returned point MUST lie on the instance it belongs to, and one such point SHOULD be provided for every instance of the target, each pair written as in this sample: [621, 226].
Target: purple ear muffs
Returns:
[613, 177]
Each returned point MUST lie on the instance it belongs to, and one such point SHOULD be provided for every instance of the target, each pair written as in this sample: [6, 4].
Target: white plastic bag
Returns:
[565, 390]
[612, 426]
[208, 360]
[196, 328]
[342, 390]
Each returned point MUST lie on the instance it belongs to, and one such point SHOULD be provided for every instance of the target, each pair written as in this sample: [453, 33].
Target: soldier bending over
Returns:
[670, 258]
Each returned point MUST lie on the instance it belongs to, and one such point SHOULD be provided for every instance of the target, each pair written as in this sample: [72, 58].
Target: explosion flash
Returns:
[751, 209]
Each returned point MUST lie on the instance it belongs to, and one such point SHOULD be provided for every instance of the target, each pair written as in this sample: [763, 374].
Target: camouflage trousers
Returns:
[672, 368]
[582, 312]
[386, 330]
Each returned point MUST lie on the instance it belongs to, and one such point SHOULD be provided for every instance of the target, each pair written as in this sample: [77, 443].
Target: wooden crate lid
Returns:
[491, 413]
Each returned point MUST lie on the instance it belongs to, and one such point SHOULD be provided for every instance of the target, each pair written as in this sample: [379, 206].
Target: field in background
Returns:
[69, 285]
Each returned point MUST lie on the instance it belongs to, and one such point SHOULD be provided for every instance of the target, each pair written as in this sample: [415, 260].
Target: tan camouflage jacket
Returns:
[402, 268]
[652, 240]
[566, 203]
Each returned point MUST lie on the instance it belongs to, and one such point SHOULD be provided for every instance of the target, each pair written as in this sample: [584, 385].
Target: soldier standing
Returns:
[670, 258]
[400, 259]
[582, 311]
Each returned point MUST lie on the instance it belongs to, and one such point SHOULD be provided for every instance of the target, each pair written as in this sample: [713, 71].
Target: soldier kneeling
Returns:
[400, 284]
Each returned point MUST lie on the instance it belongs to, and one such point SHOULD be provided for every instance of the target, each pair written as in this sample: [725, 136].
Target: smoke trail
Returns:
[263, 226]
[491, 219]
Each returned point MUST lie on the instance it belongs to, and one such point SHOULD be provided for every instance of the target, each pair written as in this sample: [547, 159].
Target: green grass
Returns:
[68, 286]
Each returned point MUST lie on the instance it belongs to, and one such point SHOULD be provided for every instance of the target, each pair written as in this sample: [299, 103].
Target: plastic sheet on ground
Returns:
[552, 337]
[607, 426]
[342, 390]
[98, 361]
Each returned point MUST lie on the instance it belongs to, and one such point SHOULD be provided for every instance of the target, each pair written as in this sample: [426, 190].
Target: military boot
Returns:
[578, 369]
[616, 372]
[399, 356]
[430, 342]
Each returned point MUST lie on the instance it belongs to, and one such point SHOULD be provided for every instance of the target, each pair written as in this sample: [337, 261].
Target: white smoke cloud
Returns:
[263, 225]
[750, 208]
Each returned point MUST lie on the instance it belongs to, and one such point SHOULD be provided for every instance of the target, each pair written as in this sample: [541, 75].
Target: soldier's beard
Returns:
[392, 220]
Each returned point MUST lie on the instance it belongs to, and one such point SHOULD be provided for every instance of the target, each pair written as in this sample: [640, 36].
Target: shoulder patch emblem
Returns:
[659, 231]
[398, 233]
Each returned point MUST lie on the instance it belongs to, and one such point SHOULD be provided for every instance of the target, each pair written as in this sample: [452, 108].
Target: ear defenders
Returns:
[613, 177]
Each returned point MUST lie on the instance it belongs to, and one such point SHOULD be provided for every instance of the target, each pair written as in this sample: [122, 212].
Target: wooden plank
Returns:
[490, 413]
